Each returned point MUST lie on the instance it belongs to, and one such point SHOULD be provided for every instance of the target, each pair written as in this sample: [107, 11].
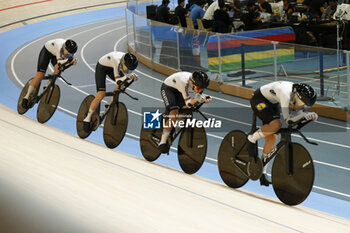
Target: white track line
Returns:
[331, 191]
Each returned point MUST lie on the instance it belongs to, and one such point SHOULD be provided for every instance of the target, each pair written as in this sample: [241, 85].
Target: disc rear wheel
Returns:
[149, 141]
[82, 113]
[233, 146]
[31, 100]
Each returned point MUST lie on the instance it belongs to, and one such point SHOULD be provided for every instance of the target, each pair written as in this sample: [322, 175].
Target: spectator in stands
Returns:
[252, 19]
[237, 8]
[163, 14]
[208, 18]
[330, 10]
[313, 9]
[181, 12]
[197, 12]
[222, 21]
[307, 13]
[191, 4]
[264, 6]
[317, 8]
[287, 8]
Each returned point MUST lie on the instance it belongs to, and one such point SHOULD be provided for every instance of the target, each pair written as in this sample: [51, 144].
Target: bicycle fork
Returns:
[286, 138]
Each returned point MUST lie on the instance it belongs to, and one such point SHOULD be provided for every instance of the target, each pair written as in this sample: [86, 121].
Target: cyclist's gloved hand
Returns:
[311, 116]
[295, 117]
[64, 64]
[133, 77]
[206, 98]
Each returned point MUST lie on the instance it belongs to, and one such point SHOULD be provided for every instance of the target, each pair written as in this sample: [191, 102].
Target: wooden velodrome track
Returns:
[55, 182]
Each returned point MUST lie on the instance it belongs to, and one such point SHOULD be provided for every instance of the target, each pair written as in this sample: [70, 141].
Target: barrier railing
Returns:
[238, 60]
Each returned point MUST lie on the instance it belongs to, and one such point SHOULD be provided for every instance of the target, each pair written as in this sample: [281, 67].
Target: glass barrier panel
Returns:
[193, 50]
[240, 58]
[164, 44]
[132, 5]
[318, 67]
[142, 36]
[130, 28]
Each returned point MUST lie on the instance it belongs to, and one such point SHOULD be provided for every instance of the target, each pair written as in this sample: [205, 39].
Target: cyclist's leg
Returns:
[34, 84]
[94, 104]
[110, 74]
[169, 125]
[172, 100]
[268, 130]
[269, 114]
[43, 62]
[100, 80]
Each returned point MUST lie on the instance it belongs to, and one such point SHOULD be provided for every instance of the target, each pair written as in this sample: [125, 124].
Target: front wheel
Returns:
[115, 125]
[192, 149]
[48, 103]
[292, 184]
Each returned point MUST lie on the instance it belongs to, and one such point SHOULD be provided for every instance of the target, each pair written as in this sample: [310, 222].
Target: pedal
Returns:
[95, 125]
[32, 101]
[164, 148]
[264, 181]
[95, 121]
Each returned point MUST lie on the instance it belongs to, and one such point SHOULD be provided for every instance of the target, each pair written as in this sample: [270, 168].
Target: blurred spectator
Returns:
[312, 10]
[317, 8]
[208, 18]
[264, 6]
[181, 12]
[330, 10]
[287, 8]
[163, 14]
[222, 22]
[237, 8]
[252, 19]
[197, 12]
[307, 13]
[190, 3]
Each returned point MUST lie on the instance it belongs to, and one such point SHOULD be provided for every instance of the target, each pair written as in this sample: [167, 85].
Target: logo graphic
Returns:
[261, 106]
[151, 120]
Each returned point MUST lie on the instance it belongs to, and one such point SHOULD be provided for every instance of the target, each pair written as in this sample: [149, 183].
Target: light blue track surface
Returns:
[9, 93]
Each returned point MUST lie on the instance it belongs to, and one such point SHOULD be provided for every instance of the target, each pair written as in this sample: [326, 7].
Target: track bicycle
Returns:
[192, 145]
[116, 115]
[49, 98]
[292, 170]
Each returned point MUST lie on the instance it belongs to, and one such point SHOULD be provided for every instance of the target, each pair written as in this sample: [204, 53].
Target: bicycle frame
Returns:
[176, 131]
[115, 100]
[52, 80]
[286, 140]
[51, 83]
